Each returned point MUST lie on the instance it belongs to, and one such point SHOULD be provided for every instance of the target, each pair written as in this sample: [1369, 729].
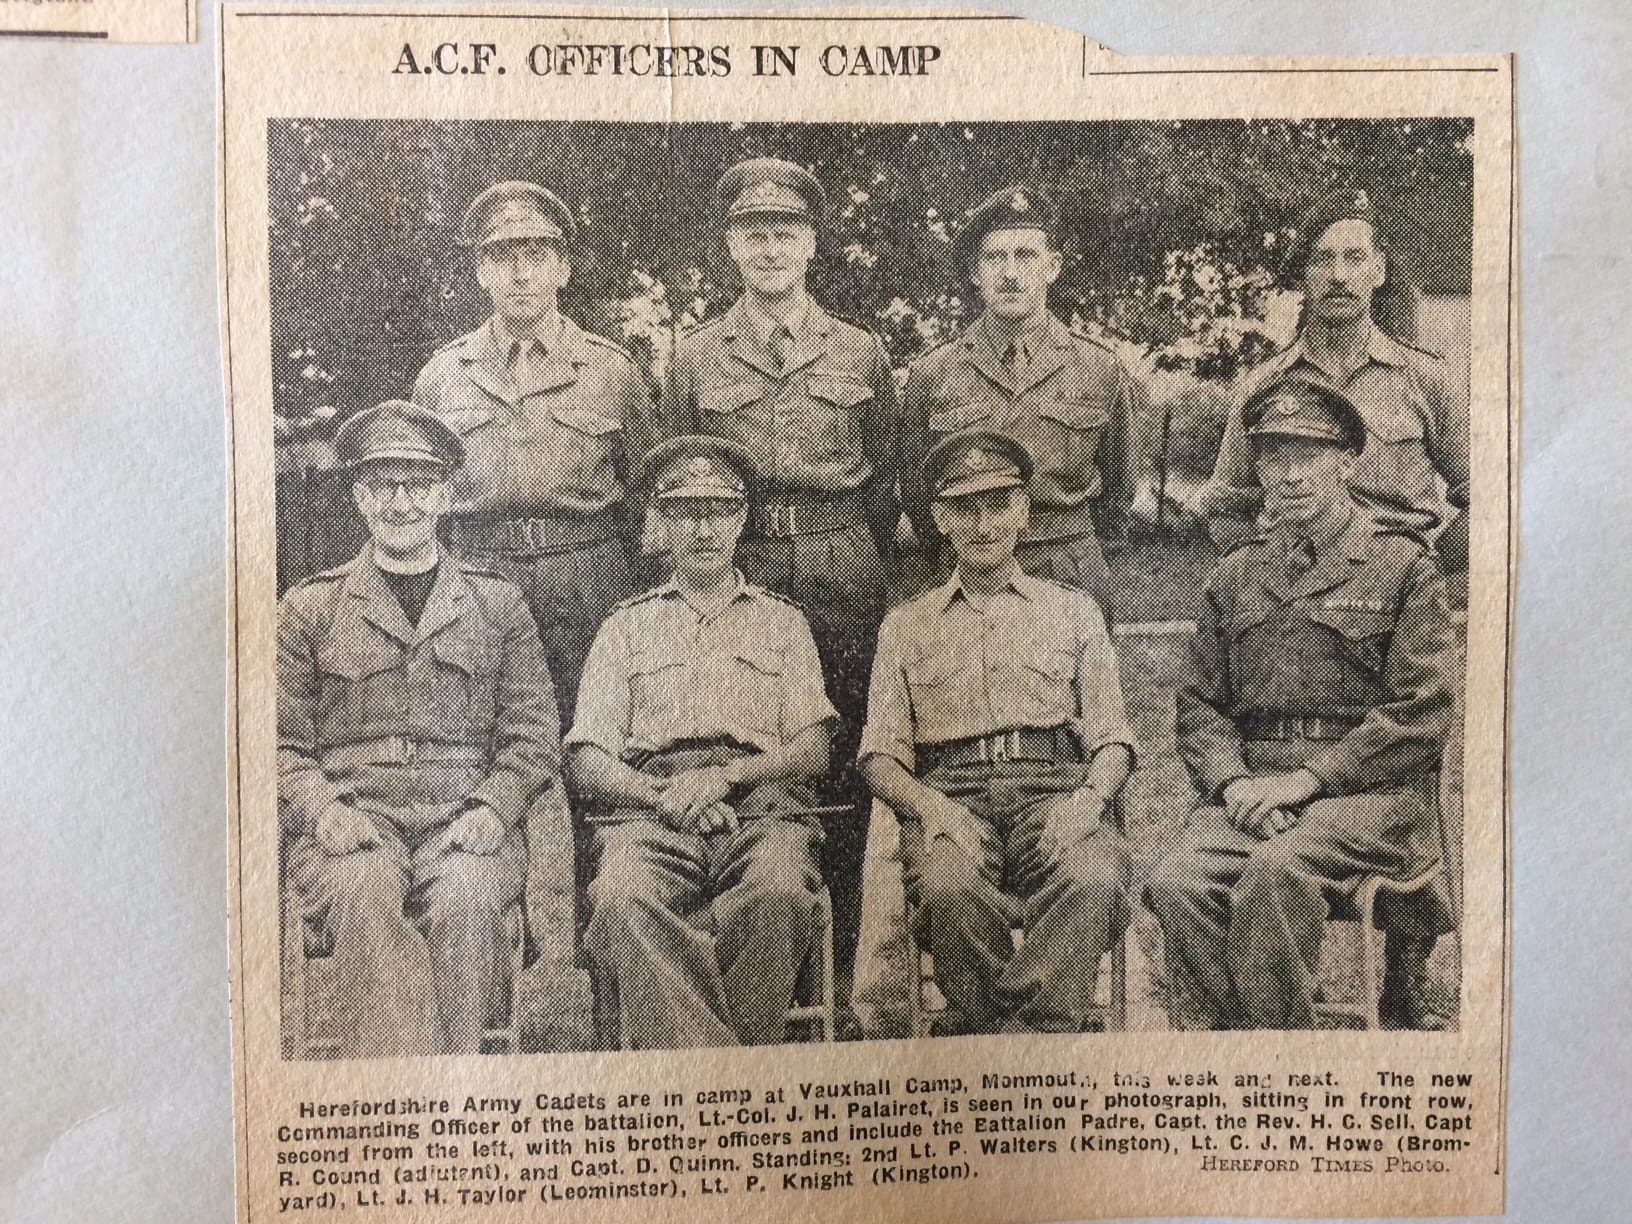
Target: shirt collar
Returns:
[546, 338]
[1020, 582]
[1326, 533]
[1033, 337]
[764, 326]
[743, 590]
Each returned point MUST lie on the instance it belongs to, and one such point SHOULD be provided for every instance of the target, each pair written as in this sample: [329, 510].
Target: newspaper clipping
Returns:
[874, 611]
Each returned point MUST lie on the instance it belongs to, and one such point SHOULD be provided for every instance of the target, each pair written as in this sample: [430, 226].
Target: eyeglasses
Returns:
[699, 509]
[415, 488]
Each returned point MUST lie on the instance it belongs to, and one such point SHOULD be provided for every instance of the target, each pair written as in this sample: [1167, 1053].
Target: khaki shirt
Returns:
[1071, 403]
[661, 672]
[820, 424]
[546, 435]
[1362, 634]
[1416, 427]
[369, 704]
[1037, 656]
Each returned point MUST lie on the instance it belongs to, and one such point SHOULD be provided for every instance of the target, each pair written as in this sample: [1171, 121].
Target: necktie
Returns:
[781, 345]
[1011, 357]
[1301, 557]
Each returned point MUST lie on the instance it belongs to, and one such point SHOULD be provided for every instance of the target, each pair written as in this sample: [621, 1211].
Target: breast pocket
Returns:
[958, 415]
[658, 706]
[485, 467]
[1361, 635]
[1394, 468]
[1073, 423]
[836, 404]
[360, 683]
[756, 688]
[936, 695]
[467, 682]
[1047, 685]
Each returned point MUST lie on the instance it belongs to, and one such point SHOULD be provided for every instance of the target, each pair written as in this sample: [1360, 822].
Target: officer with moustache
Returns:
[811, 398]
[1312, 719]
[415, 728]
[1018, 369]
[1413, 472]
[550, 416]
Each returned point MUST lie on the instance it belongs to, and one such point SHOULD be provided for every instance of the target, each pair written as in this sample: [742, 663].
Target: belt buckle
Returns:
[529, 535]
[1000, 747]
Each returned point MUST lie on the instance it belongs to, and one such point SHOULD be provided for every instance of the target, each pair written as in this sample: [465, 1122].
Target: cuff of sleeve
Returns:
[504, 796]
[1336, 769]
[1221, 773]
[1092, 745]
[907, 760]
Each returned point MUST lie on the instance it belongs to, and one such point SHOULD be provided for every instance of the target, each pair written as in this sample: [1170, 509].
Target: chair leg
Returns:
[1118, 1019]
[1371, 954]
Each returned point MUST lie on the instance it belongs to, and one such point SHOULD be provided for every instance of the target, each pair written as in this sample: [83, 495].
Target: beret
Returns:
[1017, 207]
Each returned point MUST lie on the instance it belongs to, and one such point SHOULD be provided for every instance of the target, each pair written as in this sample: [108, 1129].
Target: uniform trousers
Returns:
[837, 579]
[420, 945]
[1012, 865]
[1244, 916]
[570, 594]
[705, 935]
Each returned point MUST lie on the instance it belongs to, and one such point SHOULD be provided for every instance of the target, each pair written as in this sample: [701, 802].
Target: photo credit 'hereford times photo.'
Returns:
[863, 612]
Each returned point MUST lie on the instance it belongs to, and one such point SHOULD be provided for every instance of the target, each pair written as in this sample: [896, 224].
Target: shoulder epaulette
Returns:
[640, 597]
[1097, 341]
[1242, 543]
[601, 341]
[775, 596]
[1417, 349]
[476, 570]
[329, 575]
[860, 325]
[457, 342]
[698, 328]
[937, 350]
[1408, 533]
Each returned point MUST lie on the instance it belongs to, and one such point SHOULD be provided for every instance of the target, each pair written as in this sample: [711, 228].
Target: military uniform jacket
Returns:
[661, 673]
[1072, 406]
[411, 723]
[1362, 635]
[554, 442]
[820, 425]
[1416, 426]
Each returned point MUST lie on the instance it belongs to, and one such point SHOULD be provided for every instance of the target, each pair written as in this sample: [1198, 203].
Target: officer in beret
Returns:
[1021, 370]
[997, 733]
[550, 415]
[1312, 719]
[702, 727]
[415, 727]
[811, 398]
[1416, 414]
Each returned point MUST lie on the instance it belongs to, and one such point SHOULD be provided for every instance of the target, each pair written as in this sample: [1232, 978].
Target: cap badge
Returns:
[1019, 202]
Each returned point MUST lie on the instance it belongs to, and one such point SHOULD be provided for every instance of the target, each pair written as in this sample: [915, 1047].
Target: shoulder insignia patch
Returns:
[600, 341]
[328, 575]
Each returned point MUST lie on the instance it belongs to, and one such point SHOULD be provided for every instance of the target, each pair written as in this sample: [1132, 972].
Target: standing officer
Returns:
[415, 727]
[1020, 370]
[997, 733]
[812, 399]
[702, 726]
[549, 415]
[1416, 424]
[1312, 720]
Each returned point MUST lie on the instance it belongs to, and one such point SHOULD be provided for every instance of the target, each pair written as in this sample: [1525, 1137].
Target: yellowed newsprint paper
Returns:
[863, 613]
[149, 21]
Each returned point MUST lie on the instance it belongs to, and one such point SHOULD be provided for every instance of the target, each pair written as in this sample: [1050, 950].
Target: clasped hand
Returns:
[1268, 804]
[694, 801]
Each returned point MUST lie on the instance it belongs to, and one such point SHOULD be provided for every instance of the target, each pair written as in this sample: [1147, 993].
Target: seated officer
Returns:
[997, 733]
[415, 727]
[1316, 707]
[702, 724]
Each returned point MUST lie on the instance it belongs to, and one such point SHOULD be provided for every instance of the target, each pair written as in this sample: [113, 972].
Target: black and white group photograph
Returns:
[746, 583]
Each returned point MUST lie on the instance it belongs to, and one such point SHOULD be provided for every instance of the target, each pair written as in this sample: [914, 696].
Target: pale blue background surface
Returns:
[114, 1077]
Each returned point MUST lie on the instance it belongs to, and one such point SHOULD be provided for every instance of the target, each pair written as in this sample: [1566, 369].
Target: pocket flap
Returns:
[728, 398]
[467, 420]
[1392, 425]
[472, 658]
[761, 659]
[953, 417]
[354, 660]
[844, 392]
[1352, 620]
[584, 421]
[1074, 412]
